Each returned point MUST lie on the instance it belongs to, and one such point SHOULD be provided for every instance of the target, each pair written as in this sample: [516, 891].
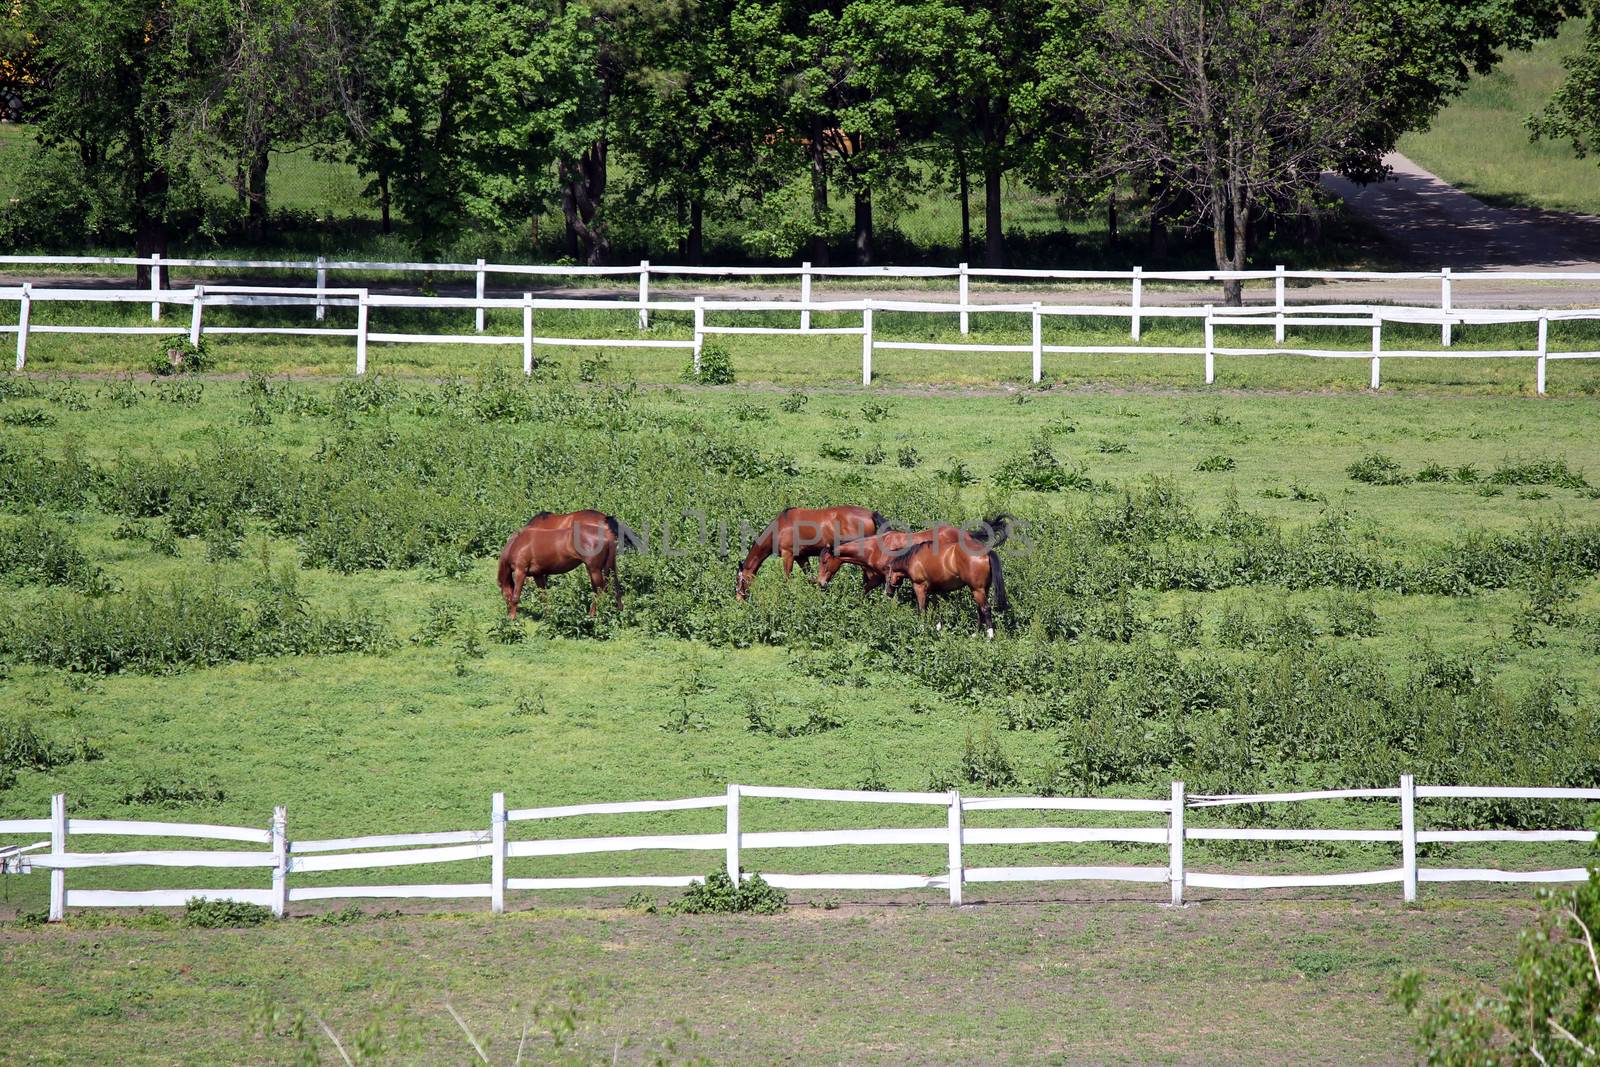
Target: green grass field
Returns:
[1480, 143]
[1210, 595]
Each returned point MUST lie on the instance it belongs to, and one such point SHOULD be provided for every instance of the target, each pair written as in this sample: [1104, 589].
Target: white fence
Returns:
[1279, 316]
[281, 858]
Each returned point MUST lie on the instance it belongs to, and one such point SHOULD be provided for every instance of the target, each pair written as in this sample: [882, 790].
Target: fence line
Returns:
[1279, 315]
[284, 857]
[1279, 318]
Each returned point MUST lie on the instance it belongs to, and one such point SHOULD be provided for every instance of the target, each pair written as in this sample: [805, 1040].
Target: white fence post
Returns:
[1377, 347]
[199, 299]
[322, 288]
[699, 331]
[866, 342]
[1408, 835]
[965, 321]
[1277, 331]
[1175, 844]
[280, 861]
[1038, 344]
[58, 849]
[26, 307]
[1211, 359]
[644, 294]
[1136, 326]
[527, 334]
[805, 295]
[957, 868]
[361, 333]
[733, 833]
[481, 280]
[155, 286]
[1544, 347]
[497, 853]
[1444, 304]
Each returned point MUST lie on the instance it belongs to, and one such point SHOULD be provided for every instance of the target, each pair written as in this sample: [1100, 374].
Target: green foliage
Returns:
[38, 550]
[717, 895]
[1215, 463]
[176, 355]
[1375, 468]
[203, 914]
[1545, 1012]
[1039, 470]
[22, 747]
[716, 366]
[1538, 471]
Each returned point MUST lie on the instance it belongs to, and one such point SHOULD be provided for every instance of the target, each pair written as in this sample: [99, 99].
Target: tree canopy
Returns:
[637, 120]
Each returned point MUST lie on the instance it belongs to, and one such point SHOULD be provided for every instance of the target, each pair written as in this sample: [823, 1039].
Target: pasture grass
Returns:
[1480, 143]
[686, 692]
[1272, 982]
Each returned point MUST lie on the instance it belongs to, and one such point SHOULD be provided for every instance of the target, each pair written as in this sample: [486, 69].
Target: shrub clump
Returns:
[716, 366]
[1040, 471]
[717, 895]
[178, 356]
[41, 552]
[1375, 468]
[184, 626]
[220, 914]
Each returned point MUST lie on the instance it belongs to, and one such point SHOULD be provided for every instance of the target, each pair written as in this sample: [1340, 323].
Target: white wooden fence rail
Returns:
[1279, 315]
[284, 858]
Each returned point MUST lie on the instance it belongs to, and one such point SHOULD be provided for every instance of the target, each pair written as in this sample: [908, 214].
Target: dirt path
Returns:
[1439, 225]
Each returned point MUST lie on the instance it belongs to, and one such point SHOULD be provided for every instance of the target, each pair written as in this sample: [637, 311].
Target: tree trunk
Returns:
[584, 187]
[1158, 223]
[966, 206]
[697, 229]
[863, 228]
[819, 195]
[383, 202]
[150, 220]
[255, 223]
[1111, 218]
[994, 245]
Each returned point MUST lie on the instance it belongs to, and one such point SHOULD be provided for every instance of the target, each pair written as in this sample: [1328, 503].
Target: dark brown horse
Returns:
[554, 544]
[949, 559]
[877, 555]
[803, 533]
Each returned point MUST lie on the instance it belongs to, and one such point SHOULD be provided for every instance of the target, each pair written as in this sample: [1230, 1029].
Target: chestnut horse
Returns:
[878, 554]
[948, 559]
[554, 544]
[800, 534]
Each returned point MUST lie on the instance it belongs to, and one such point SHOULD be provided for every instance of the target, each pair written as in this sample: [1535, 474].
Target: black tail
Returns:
[993, 534]
[879, 523]
[627, 539]
[999, 581]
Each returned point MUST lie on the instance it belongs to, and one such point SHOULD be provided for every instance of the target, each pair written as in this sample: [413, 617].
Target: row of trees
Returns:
[480, 113]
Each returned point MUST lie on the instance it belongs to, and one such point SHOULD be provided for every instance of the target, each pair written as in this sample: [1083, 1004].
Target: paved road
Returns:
[1437, 224]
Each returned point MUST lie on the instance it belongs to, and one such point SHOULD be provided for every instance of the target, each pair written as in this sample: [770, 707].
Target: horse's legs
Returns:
[597, 583]
[788, 562]
[805, 564]
[921, 589]
[985, 616]
[870, 580]
[513, 593]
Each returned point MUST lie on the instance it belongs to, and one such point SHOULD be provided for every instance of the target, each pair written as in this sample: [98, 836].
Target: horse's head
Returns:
[831, 562]
[741, 584]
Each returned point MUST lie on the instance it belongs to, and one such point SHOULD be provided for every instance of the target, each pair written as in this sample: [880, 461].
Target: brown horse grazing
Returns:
[878, 554]
[800, 534]
[554, 544]
[938, 567]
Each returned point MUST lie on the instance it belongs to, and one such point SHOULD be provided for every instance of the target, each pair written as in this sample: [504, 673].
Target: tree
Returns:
[1573, 112]
[1237, 104]
[115, 77]
[1549, 1010]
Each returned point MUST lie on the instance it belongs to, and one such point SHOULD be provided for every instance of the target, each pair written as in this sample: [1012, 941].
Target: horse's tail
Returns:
[879, 523]
[627, 539]
[993, 534]
[999, 579]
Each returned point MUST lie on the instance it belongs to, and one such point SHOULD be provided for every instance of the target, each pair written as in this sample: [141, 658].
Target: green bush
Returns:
[219, 914]
[176, 355]
[716, 366]
[717, 895]
[40, 551]
[1375, 468]
[1039, 470]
